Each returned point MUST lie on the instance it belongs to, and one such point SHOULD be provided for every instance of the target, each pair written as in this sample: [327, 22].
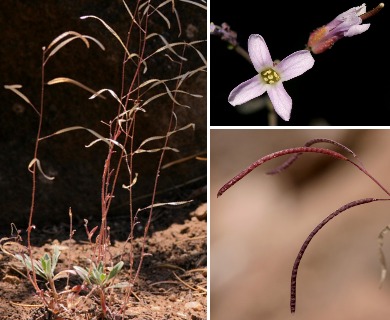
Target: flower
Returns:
[347, 24]
[271, 76]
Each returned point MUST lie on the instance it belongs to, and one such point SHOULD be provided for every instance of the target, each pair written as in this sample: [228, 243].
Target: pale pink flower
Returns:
[271, 76]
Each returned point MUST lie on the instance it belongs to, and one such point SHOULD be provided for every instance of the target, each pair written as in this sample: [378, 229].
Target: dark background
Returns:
[345, 87]
[27, 26]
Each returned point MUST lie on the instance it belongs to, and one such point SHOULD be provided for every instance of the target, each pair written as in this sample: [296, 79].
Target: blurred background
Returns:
[342, 89]
[258, 226]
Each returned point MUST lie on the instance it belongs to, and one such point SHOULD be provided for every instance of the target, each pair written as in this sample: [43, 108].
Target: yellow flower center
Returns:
[270, 76]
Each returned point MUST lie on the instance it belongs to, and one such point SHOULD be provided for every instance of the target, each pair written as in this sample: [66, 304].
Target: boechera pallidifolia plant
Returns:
[144, 50]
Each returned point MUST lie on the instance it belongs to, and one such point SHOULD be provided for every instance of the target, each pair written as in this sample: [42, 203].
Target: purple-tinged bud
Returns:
[347, 24]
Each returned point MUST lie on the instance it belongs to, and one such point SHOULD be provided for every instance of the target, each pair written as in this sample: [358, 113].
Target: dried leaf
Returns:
[155, 150]
[67, 33]
[168, 46]
[79, 36]
[161, 14]
[100, 137]
[109, 29]
[132, 17]
[14, 88]
[195, 3]
[76, 83]
[132, 182]
[35, 160]
[176, 203]
[382, 258]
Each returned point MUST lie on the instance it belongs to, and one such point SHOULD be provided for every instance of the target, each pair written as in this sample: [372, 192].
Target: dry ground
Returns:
[172, 283]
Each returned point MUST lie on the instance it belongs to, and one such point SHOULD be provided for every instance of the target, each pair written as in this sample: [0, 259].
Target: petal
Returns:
[344, 21]
[295, 64]
[281, 101]
[246, 91]
[259, 53]
[354, 30]
[360, 10]
[342, 28]
[355, 11]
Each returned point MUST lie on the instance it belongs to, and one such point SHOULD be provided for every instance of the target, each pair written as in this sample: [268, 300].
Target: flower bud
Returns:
[347, 24]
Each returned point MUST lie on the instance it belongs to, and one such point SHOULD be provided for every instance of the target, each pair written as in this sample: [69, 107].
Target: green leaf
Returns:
[100, 267]
[115, 270]
[96, 275]
[102, 278]
[55, 256]
[46, 265]
[26, 261]
[82, 273]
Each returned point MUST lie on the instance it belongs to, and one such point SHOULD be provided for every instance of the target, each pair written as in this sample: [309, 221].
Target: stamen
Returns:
[372, 12]
[270, 76]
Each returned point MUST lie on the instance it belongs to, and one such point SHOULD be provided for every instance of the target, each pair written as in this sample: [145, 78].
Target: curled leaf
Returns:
[191, 125]
[84, 38]
[65, 34]
[100, 137]
[76, 83]
[35, 160]
[132, 182]
[109, 29]
[168, 46]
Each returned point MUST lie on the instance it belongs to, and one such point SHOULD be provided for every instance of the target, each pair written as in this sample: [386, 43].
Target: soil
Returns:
[172, 283]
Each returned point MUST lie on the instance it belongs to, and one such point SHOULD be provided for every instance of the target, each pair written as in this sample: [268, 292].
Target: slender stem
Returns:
[242, 52]
[33, 279]
[272, 118]
[370, 176]
[372, 12]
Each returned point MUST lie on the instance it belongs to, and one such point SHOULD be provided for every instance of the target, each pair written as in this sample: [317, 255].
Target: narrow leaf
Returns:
[195, 4]
[115, 270]
[109, 29]
[132, 182]
[76, 83]
[55, 256]
[132, 17]
[35, 160]
[167, 45]
[82, 273]
[65, 34]
[100, 137]
[155, 150]
[177, 203]
[97, 94]
[382, 258]
[78, 36]
[14, 88]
